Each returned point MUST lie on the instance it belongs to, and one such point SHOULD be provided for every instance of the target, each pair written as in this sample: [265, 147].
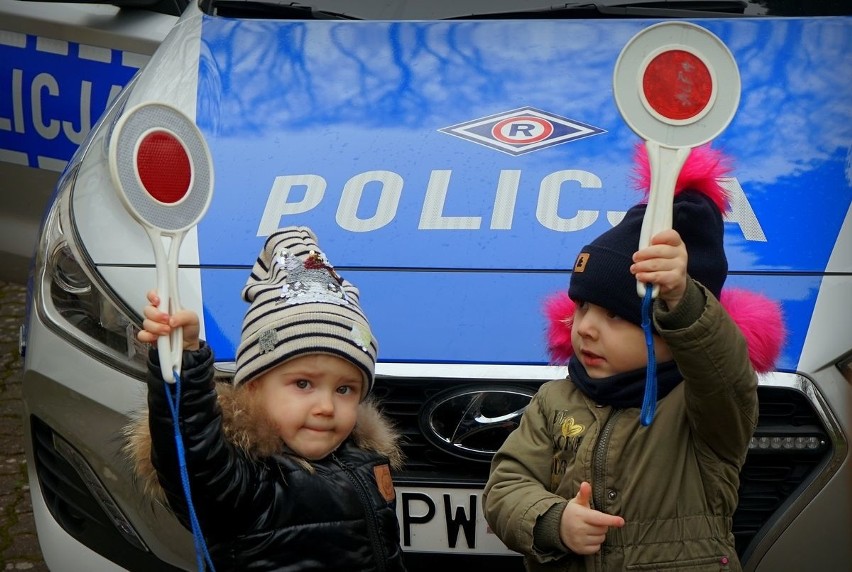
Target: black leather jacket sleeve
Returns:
[218, 474]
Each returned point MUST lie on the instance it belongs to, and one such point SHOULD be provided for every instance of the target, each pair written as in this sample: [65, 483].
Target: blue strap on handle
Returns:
[649, 402]
[202, 556]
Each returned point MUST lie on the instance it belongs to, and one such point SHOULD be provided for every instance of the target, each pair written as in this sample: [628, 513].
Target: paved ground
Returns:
[19, 548]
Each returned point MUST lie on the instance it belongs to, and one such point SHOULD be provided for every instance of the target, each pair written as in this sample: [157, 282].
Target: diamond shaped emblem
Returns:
[522, 130]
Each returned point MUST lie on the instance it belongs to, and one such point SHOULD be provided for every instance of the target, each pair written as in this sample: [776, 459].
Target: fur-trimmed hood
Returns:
[247, 428]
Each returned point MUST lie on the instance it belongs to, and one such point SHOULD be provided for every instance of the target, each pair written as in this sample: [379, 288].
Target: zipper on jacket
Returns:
[599, 459]
[598, 473]
[370, 516]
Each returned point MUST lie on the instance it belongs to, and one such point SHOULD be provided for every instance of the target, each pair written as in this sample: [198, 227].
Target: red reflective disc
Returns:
[163, 167]
[677, 84]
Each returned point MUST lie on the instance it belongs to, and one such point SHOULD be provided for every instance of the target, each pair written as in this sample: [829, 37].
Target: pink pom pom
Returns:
[758, 318]
[559, 311]
[761, 322]
[700, 172]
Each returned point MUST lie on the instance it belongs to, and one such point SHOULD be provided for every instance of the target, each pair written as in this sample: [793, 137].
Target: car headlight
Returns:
[73, 300]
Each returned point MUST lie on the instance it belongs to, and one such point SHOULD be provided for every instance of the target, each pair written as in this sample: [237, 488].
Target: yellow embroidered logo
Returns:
[385, 482]
[567, 436]
[571, 429]
[582, 259]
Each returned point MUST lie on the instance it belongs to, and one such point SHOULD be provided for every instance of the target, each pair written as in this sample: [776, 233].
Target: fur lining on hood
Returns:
[247, 428]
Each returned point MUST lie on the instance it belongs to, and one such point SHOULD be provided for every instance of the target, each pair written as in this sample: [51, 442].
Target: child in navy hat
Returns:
[584, 483]
[290, 465]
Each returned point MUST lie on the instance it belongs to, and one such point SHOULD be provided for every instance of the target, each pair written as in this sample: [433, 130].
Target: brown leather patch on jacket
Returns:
[385, 482]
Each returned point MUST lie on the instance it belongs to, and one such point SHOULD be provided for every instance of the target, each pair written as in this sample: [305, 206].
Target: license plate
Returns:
[445, 520]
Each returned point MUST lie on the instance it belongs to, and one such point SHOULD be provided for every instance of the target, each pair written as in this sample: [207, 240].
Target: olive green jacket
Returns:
[674, 482]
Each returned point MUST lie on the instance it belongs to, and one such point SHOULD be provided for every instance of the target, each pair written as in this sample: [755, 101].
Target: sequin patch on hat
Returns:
[362, 337]
[267, 340]
[312, 280]
[317, 260]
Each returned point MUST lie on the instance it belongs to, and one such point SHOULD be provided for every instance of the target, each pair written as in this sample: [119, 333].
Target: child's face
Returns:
[608, 345]
[313, 401]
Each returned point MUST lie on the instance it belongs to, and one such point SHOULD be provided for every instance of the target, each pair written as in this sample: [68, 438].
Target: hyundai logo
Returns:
[473, 422]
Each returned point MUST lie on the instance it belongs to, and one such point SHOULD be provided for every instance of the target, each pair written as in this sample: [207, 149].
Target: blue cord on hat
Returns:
[201, 553]
[649, 402]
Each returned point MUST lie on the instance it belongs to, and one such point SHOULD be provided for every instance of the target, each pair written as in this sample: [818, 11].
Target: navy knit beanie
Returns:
[601, 273]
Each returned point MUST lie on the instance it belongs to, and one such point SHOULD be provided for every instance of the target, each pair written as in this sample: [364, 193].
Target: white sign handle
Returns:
[665, 163]
[169, 347]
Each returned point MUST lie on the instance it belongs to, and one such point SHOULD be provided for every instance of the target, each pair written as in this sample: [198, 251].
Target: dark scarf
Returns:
[624, 389]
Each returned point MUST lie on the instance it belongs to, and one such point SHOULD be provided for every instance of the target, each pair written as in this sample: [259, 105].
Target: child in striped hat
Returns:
[289, 466]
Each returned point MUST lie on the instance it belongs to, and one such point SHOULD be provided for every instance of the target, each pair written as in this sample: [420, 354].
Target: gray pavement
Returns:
[19, 549]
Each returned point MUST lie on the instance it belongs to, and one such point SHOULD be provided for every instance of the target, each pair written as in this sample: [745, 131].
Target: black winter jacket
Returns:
[259, 507]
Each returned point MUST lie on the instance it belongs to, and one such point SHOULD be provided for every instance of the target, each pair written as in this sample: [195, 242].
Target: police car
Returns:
[452, 157]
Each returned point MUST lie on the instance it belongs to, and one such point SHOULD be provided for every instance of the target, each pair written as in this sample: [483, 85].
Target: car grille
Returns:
[770, 477]
[401, 400]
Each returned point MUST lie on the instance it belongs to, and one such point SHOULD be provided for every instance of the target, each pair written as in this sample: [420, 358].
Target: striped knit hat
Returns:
[300, 306]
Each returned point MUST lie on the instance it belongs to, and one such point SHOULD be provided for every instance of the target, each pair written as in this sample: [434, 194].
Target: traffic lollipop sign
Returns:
[163, 173]
[677, 86]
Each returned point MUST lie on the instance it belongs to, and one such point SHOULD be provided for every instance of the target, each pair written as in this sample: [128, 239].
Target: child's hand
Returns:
[583, 529]
[159, 323]
[663, 263]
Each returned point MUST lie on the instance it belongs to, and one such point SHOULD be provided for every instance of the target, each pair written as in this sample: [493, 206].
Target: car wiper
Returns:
[635, 9]
[686, 9]
[266, 9]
